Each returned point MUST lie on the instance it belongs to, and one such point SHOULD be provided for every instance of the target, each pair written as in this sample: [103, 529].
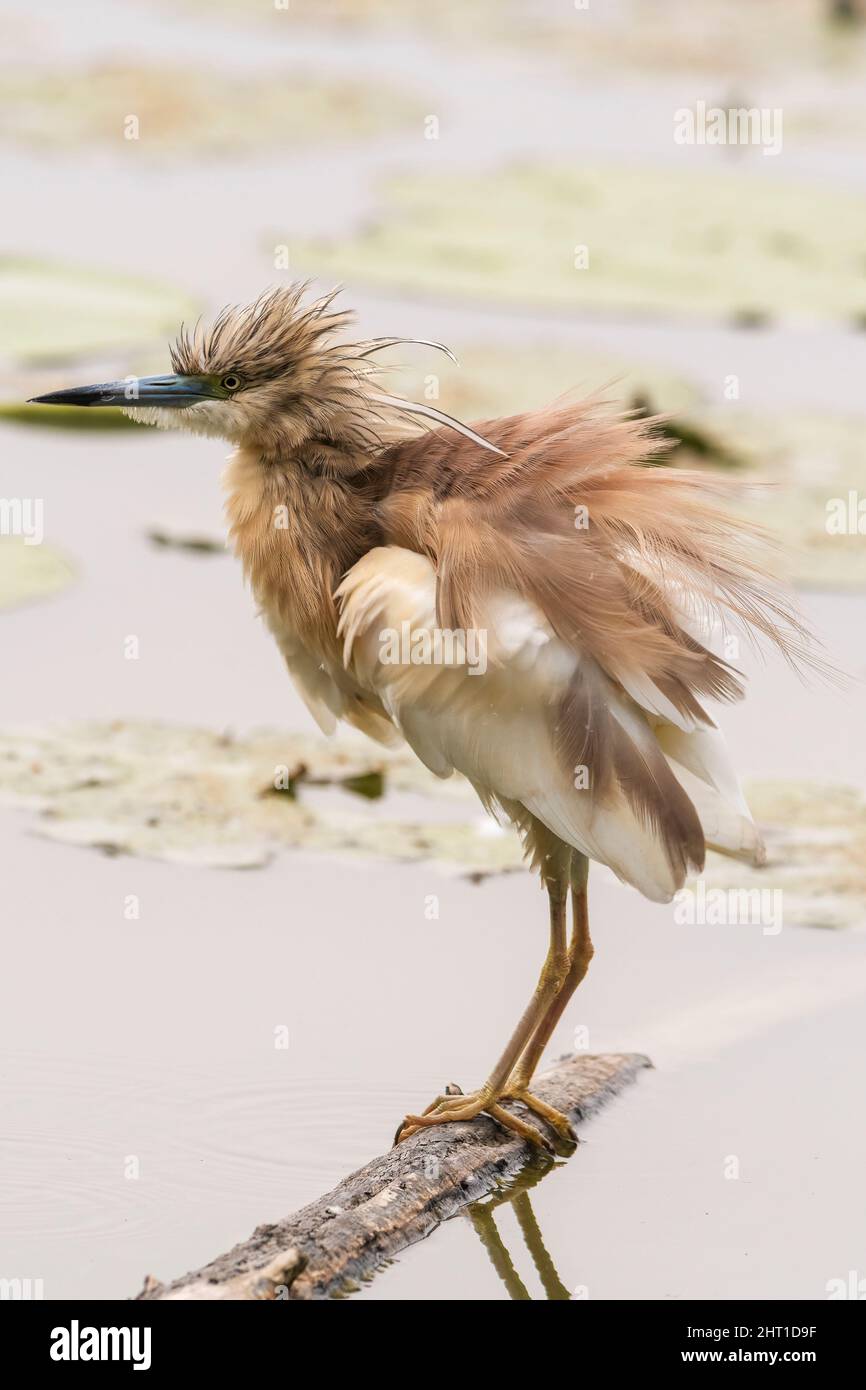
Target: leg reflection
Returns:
[481, 1216]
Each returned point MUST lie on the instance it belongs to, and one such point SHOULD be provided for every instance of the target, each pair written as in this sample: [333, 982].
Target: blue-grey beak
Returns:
[143, 390]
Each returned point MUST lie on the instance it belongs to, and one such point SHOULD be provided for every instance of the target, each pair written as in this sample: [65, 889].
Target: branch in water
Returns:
[396, 1199]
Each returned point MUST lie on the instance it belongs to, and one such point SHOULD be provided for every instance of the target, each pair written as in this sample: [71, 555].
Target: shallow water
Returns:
[148, 1047]
[152, 1042]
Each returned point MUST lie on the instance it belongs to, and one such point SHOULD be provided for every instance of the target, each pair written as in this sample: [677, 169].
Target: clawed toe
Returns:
[557, 1121]
[454, 1106]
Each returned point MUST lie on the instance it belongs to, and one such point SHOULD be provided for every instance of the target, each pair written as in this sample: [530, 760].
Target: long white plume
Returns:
[378, 344]
[430, 413]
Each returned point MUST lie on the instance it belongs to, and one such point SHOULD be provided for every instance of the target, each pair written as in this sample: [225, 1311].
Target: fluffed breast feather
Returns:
[601, 587]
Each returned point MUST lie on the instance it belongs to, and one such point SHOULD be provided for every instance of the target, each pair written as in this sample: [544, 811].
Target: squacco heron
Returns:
[601, 592]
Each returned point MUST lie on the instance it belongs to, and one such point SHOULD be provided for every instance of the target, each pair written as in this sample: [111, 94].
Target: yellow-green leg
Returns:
[554, 972]
[580, 953]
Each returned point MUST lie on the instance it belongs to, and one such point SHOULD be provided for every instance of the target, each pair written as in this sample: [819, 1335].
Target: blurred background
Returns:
[218, 998]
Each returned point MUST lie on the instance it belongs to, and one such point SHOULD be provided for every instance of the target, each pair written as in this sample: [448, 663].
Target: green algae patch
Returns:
[713, 38]
[176, 113]
[189, 796]
[55, 313]
[816, 853]
[633, 240]
[65, 417]
[29, 572]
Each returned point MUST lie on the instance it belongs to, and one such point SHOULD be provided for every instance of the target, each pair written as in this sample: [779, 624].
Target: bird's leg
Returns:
[580, 953]
[460, 1107]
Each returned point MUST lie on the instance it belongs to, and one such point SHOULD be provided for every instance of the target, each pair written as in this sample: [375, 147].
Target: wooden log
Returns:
[325, 1248]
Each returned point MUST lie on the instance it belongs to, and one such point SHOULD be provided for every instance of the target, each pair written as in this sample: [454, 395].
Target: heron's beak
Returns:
[143, 390]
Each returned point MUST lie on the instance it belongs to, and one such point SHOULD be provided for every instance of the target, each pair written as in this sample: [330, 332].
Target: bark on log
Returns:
[325, 1248]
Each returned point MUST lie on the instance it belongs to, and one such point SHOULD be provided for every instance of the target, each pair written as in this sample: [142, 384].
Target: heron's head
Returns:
[274, 375]
[255, 374]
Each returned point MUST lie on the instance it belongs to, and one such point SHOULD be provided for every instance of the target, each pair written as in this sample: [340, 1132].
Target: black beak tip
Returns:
[53, 398]
[76, 395]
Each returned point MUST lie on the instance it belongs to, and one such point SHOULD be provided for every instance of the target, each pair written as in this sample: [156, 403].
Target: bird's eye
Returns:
[231, 382]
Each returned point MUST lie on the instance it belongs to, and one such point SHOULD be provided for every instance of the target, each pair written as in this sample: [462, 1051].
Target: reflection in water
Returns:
[481, 1216]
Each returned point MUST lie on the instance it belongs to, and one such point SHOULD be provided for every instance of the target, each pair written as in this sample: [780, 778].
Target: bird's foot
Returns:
[451, 1107]
[556, 1119]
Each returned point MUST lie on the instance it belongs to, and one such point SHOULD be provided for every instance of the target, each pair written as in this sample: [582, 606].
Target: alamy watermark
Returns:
[77, 1343]
[748, 907]
[853, 1286]
[23, 516]
[729, 125]
[846, 516]
[21, 1290]
[434, 646]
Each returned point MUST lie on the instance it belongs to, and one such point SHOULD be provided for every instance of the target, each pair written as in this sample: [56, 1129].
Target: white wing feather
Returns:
[495, 727]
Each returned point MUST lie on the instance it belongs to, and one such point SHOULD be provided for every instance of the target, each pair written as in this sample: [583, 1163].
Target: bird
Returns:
[571, 607]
